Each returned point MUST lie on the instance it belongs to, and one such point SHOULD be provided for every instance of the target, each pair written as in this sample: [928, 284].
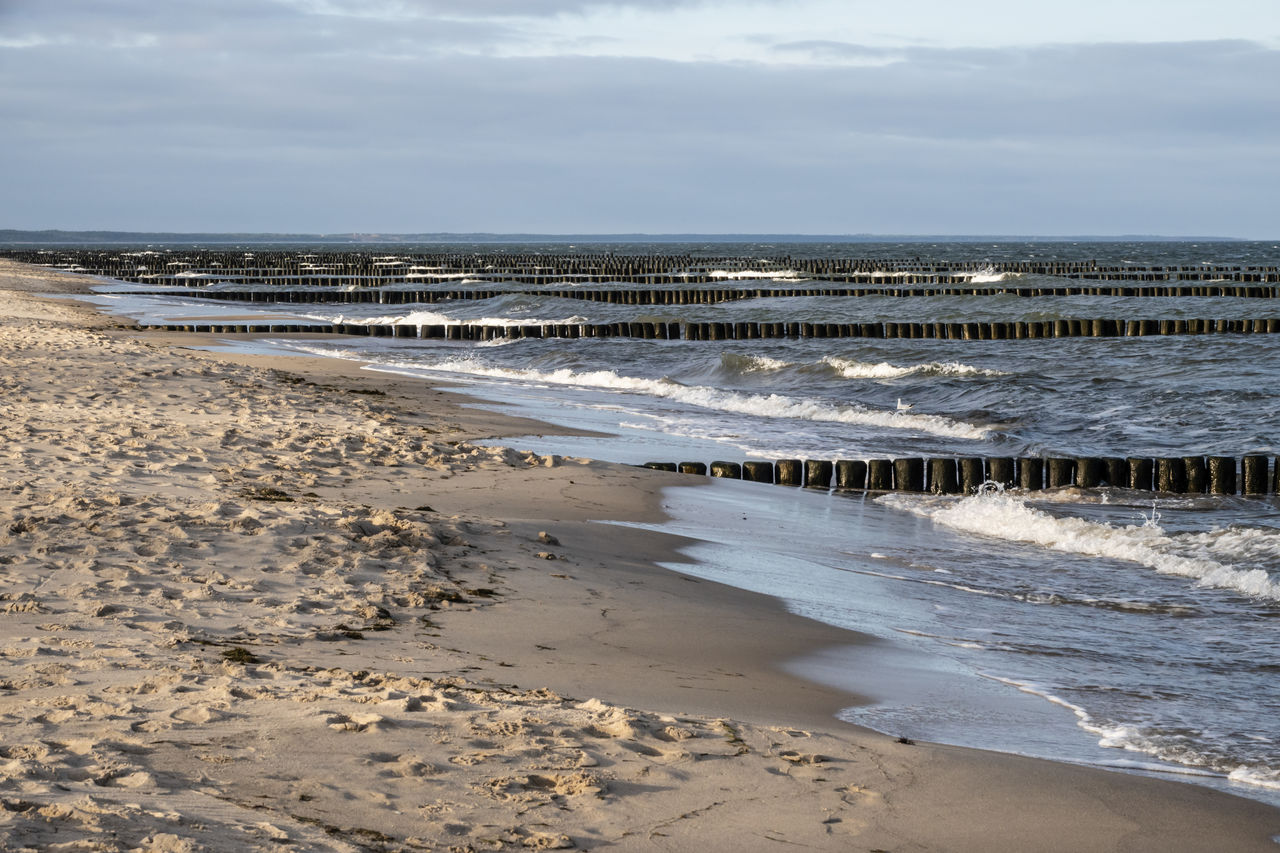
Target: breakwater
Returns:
[1250, 475]
[966, 331]
[371, 269]
[699, 296]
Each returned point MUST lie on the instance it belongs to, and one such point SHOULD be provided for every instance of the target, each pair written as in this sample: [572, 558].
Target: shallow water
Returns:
[1100, 625]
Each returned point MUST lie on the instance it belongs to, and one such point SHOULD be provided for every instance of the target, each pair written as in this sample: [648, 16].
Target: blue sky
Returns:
[553, 116]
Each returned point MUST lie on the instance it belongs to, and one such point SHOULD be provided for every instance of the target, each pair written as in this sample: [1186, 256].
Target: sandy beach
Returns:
[262, 603]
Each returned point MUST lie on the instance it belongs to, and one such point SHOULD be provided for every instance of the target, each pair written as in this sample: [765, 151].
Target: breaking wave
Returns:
[1195, 556]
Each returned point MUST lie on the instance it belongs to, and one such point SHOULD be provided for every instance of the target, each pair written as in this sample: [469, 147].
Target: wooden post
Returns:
[790, 472]
[879, 475]
[1254, 474]
[908, 474]
[1031, 473]
[942, 476]
[728, 470]
[971, 474]
[1222, 475]
[1061, 472]
[1002, 470]
[1140, 471]
[1089, 472]
[1117, 471]
[851, 474]
[1197, 474]
[1171, 475]
[817, 473]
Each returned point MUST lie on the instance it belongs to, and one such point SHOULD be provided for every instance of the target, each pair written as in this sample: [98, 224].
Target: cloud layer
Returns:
[296, 116]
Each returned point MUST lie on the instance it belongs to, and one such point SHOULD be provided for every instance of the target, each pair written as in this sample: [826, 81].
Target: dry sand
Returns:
[264, 604]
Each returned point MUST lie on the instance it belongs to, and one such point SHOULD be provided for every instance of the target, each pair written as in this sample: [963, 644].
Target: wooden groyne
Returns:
[1253, 475]
[969, 331]
[374, 268]
[695, 296]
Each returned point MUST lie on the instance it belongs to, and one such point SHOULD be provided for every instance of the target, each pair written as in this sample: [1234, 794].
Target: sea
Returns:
[1104, 626]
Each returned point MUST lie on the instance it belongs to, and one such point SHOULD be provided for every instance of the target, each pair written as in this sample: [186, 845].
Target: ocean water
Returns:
[1104, 625]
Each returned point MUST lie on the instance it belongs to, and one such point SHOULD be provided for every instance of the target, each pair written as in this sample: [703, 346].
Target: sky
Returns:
[649, 116]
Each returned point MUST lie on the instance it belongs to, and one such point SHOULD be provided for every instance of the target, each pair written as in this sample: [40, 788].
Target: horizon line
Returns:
[10, 235]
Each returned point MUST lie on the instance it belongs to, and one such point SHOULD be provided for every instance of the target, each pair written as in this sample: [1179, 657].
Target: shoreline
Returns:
[599, 622]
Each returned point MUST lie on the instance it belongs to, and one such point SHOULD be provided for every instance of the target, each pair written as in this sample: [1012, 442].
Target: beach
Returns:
[255, 601]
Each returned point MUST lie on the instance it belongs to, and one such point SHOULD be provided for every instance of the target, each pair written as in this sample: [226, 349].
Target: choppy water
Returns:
[1146, 631]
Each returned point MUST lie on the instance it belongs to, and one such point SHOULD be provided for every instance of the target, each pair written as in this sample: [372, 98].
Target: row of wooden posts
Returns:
[1252, 475]
[343, 264]
[700, 296]
[1263, 282]
[972, 331]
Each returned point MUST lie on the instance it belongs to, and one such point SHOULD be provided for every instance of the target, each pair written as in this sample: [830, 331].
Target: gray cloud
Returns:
[250, 29]
[410, 9]
[273, 119]
[99, 19]
[834, 51]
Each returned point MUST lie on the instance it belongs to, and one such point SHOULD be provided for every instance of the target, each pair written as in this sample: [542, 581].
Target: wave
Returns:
[849, 368]
[852, 369]
[989, 275]
[1244, 544]
[737, 363]
[1039, 598]
[1004, 516]
[780, 275]
[1180, 749]
[704, 397]
[435, 318]
[414, 318]
[438, 274]
[1262, 778]
[1174, 749]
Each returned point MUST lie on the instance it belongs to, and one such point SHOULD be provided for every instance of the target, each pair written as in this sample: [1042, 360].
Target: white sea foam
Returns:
[762, 364]
[1035, 690]
[1128, 738]
[1254, 776]
[436, 273]
[759, 405]
[853, 369]
[434, 318]
[1178, 751]
[1153, 767]
[780, 275]
[414, 318]
[989, 275]
[1004, 516]
[1245, 544]
[849, 368]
